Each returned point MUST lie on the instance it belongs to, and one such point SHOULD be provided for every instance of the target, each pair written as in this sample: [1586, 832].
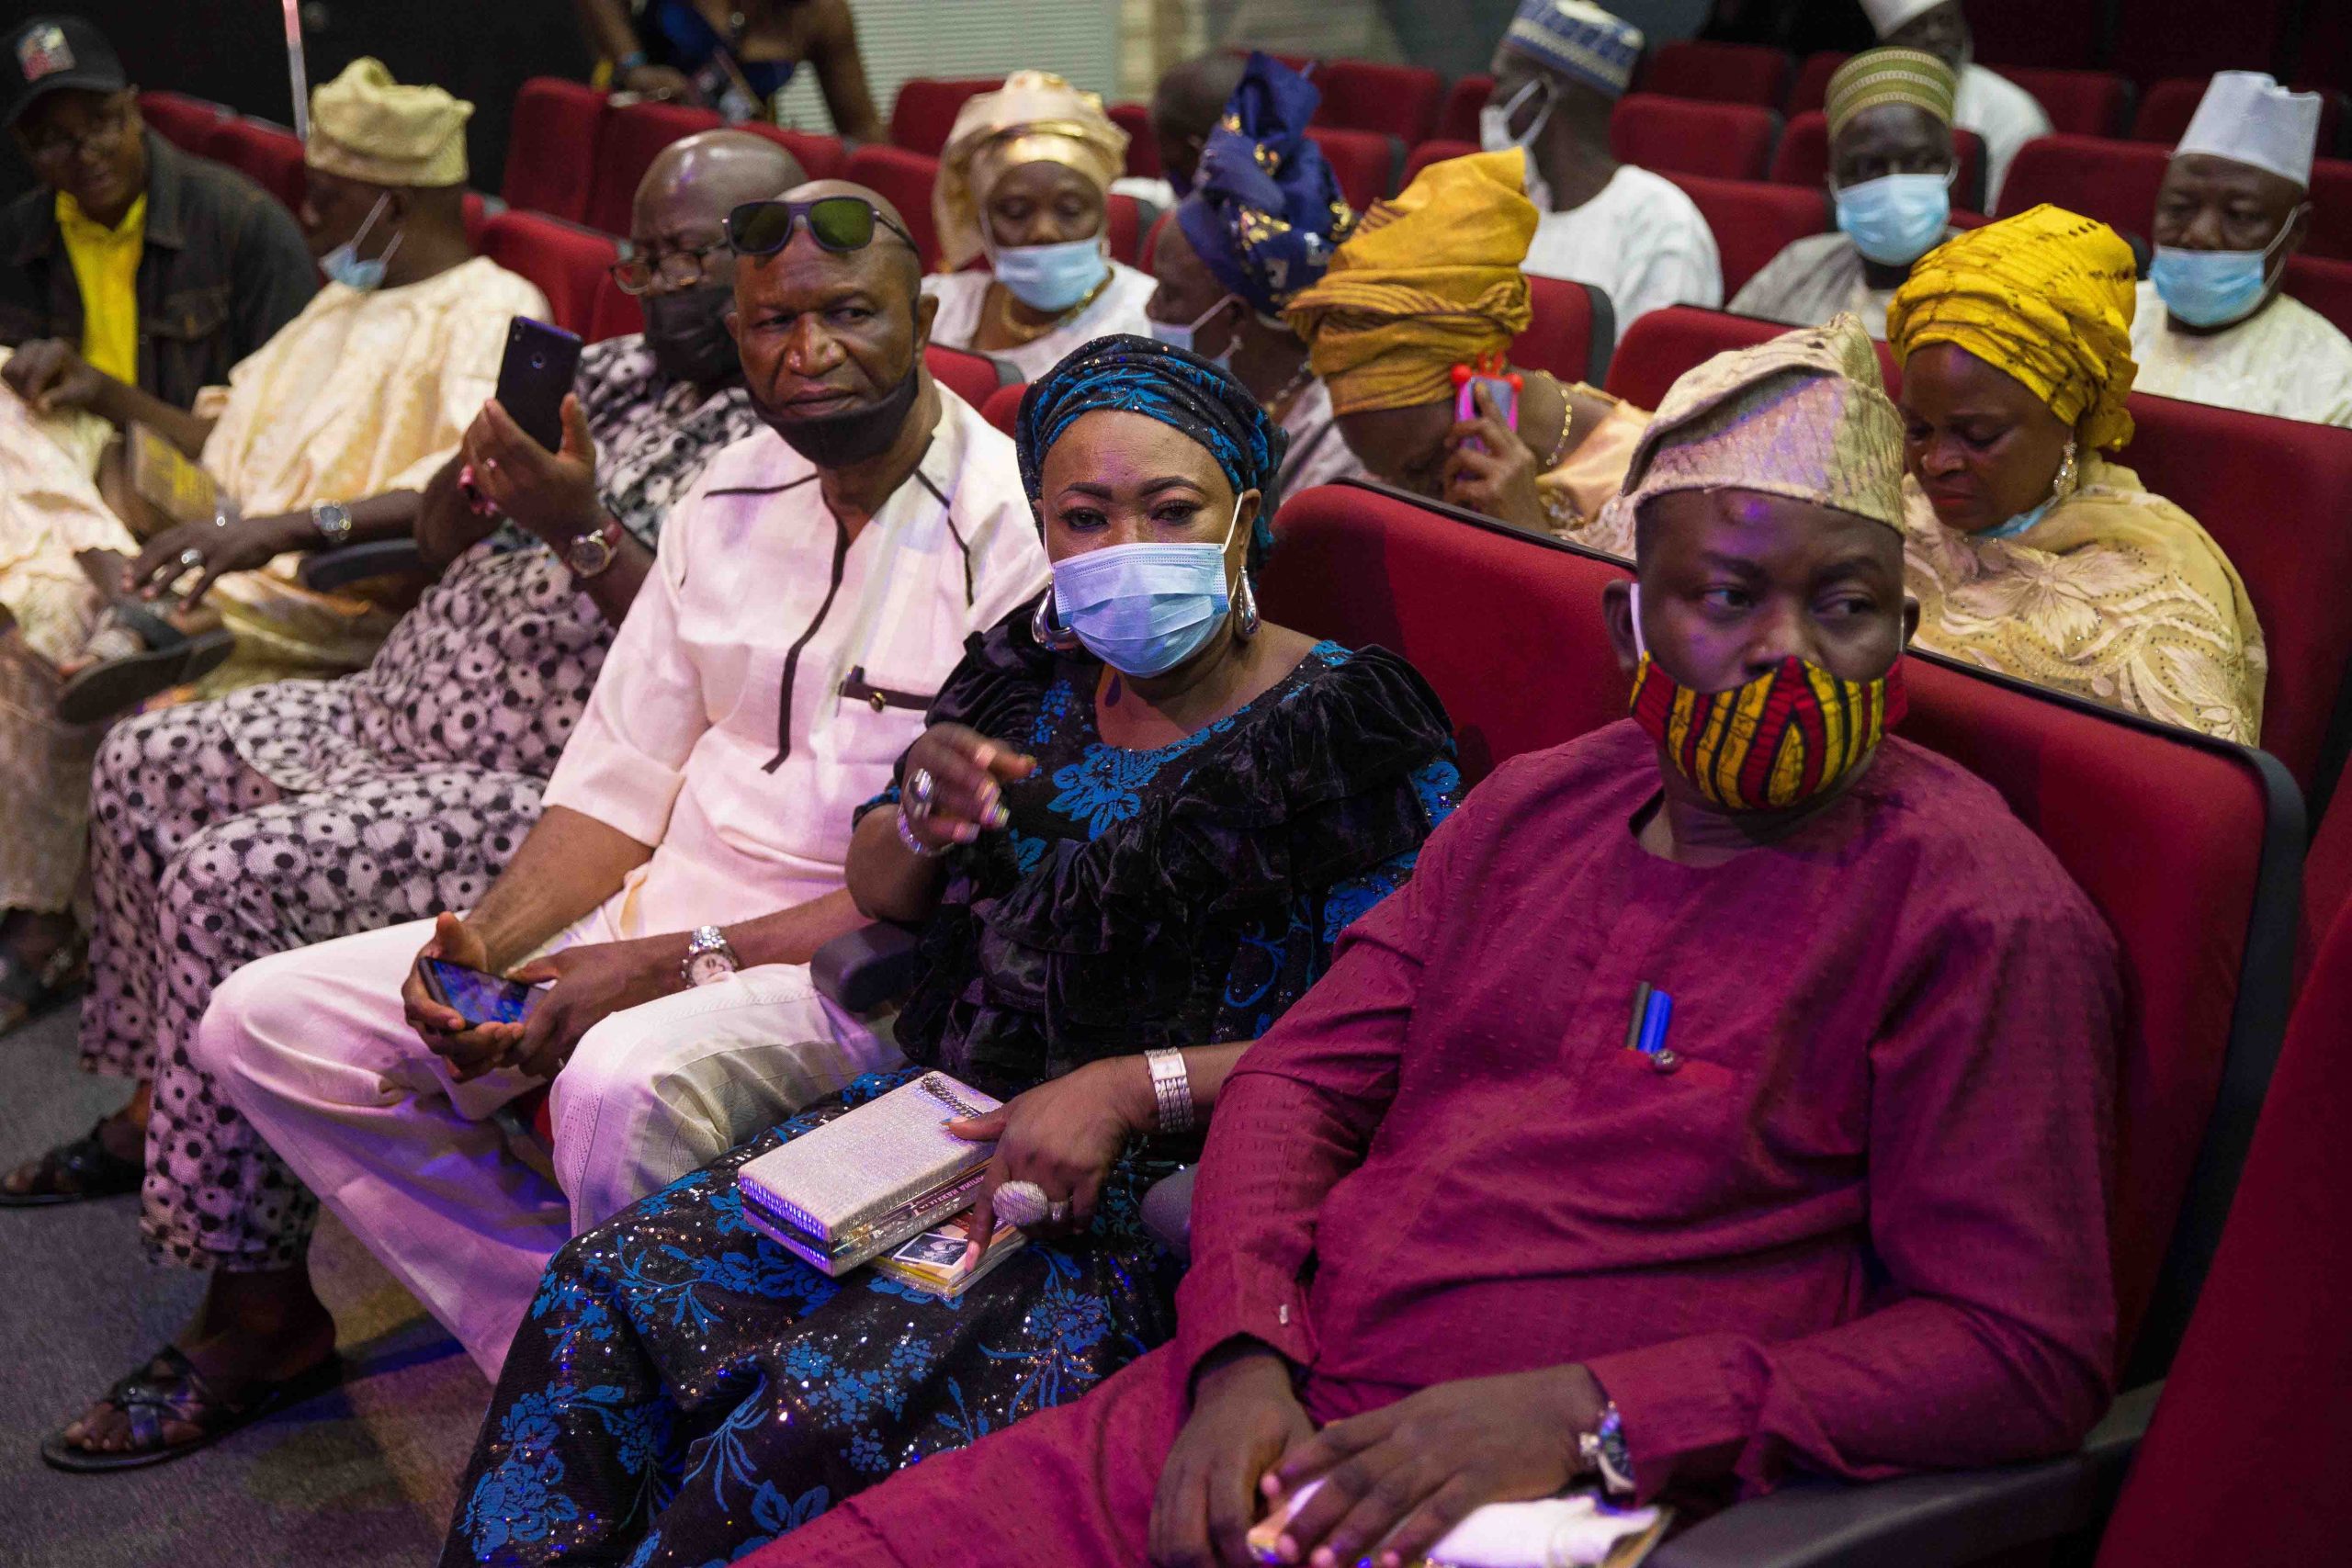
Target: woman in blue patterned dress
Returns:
[1138, 820]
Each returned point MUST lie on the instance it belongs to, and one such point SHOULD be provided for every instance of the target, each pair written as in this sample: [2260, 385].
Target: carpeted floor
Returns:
[361, 1477]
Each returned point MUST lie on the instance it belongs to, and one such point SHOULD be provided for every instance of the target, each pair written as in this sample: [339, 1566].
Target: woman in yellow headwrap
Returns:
[1024, 181]
[2029, 552]
[1431, 279]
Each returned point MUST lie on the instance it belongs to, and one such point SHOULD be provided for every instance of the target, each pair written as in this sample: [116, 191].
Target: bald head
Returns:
[1185, 107]
[694, 184]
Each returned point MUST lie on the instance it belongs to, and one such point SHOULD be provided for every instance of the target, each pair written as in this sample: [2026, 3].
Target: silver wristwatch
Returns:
[1171, 1089]
[333, 519]
[710, 957]
[593, 552]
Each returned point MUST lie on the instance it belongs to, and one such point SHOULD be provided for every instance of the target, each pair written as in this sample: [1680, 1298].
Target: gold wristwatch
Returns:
[594, 552]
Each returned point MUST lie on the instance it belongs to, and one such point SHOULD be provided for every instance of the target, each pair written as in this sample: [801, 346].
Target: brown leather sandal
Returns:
[169, 1388]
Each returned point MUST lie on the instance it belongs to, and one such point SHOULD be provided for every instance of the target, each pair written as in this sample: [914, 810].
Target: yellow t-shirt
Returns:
[105, 264]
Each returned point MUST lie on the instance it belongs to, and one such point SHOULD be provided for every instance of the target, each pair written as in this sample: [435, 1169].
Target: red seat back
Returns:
[2331, 230]
[570, 263]
[2246, 1458]
[2080, 103]
[1803, 159]
[2165, 112]
[1718, 73]
[1458, 121]
[1571, 331]
[926, 109]
[270, 155]
[1811, 89]
[1402, 101]
[1659, 347]
[183, 121]
[612, 313]
[2327, 874]
[634, 137]
[1143, 148]
[551, 146]
[2114, 182]
[2186, 846]
[1436, 151]
[1752, 221]
[1004, 406]
[1122, 225]
[476, 216]
[1724, 141]
[905, 179]
[821, 157]
[1363, 162]
[972, 377]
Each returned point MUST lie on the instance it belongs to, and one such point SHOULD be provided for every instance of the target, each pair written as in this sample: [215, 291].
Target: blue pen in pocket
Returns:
[1653, 1014]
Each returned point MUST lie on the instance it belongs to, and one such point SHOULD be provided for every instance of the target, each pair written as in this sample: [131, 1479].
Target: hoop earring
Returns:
[1245, 610]
[1048, 632]
[2067, 481]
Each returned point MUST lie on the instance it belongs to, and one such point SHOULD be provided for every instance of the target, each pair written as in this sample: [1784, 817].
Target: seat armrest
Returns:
[868, 968]
[1923, 1521]
[1168, 1214]
[327, 571]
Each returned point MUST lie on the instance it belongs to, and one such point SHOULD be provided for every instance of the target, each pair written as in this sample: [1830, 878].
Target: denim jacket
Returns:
[224, 267]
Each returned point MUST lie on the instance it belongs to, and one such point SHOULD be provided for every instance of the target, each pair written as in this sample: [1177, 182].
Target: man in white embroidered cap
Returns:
[2211, 326]
[1558, 73]
[1989, 104]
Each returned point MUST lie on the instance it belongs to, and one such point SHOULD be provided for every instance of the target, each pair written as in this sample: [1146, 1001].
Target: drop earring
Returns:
[2067, 483]
[1049, 633]
[1245, 610]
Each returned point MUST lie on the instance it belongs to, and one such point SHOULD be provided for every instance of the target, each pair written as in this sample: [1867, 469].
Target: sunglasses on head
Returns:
[839, 223]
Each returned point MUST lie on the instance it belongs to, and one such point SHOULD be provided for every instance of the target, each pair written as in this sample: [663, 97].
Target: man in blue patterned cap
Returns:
[1558, 73]
[1261, 222]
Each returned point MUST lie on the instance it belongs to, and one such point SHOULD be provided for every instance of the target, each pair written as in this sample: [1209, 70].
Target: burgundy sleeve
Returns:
[1993, 1338]
[1296, 1113]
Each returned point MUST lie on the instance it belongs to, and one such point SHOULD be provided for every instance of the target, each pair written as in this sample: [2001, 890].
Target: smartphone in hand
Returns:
[475, 996]
[533, 379]
[1501, 390]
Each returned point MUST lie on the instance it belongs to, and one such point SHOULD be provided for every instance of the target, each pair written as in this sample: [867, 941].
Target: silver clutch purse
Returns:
[868, 1180]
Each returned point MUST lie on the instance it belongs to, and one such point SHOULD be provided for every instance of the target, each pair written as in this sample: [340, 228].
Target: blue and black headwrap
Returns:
[1265, 212]
[1141, 375]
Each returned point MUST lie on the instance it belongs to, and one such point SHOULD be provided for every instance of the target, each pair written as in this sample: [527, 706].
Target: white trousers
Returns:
[312, 1046]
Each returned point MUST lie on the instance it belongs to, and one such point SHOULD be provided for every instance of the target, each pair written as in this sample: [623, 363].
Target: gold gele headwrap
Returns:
[1804, 415]
[1879, 76]
[1035, 117]
[365, 126]
[2045, 297]
[1429, 280]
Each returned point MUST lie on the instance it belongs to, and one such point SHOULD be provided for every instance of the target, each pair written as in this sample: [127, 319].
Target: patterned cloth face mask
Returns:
[1778, 742]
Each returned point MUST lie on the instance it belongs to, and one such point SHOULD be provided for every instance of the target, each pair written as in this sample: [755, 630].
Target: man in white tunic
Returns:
[2004, 114]
[1558, 73]
[2212, 326]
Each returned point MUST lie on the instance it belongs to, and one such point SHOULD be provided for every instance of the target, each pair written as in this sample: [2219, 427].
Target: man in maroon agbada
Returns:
[1846, 1215]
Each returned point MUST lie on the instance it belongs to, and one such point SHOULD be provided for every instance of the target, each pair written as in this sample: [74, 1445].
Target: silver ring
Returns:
[922, 790]
[190, 559]
[1021, 1203]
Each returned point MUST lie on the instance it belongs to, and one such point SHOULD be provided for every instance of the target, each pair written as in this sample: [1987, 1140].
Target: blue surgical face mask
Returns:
[1895, 219]
[342, 264]
[1052, 277]
[2212, 288]
[1144, 609]
[1176, 336]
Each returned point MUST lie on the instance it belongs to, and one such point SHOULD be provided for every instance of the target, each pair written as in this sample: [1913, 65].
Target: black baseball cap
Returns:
[52, 52]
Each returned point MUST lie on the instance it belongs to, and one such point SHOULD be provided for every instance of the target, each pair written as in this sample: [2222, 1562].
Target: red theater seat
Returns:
[477, 216]
[1659, 347]
[2326, 284]
[905, 179]
[1718, 73]
[926, 109]
[821, 157]
[1430, 152]
[2331, 230]
[1724, 141]
[551, 146]
[2165, 112]
[1122, 225]
[1753, 221]
[570, 263]
[1571, 331]
[634, 137]
[1811, 89]
[1459, 119]
[270, 155]
[1803, 159]
[2114, 182]
[1402, 101]
[1004, 406]
[1143, 148]
[2079, 103]
[1363, 162]
[183, 121]
[972, 377]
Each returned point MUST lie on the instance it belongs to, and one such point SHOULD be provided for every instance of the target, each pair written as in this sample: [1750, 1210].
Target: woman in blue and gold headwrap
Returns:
[1263, 218]
[1137, 823]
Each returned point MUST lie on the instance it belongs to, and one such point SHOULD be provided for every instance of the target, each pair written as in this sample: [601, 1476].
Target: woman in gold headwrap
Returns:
[1431, 279]
[2030, 552]
[1025, 181]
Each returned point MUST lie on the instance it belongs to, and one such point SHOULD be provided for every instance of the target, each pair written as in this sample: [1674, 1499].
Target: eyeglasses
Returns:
[682, 268]
[58, 146]
[839, 223]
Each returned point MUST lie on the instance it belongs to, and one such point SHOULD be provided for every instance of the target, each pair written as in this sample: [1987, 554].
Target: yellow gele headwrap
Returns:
[2046, 297]
[1879, 76]
[1804, 415]
[1035, 117]
[365, 126]
[1429, 280]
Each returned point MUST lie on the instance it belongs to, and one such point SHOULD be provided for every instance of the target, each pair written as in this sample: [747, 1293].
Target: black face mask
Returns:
[840, 440]
[687, 332]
